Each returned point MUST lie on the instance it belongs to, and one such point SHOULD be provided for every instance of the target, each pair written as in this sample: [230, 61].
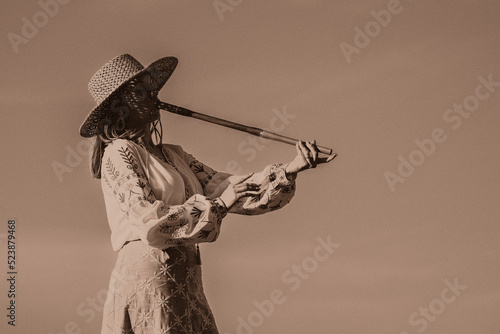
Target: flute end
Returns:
[331, 157]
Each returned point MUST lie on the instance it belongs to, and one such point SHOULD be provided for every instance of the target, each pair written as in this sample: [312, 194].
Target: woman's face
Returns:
[141, 100]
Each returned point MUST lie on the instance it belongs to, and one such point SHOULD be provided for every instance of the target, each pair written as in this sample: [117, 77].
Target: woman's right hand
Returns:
[307, 157]
[238, 188]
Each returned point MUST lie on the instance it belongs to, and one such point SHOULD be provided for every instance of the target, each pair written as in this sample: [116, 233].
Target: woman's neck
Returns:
[148, 141]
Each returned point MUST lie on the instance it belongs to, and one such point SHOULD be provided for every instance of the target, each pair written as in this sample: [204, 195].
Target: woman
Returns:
[161, 202]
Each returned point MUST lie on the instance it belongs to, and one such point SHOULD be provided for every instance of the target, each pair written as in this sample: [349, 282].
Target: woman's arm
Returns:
[276, 189]
[276, 183]
[157, 224]
[270, 189]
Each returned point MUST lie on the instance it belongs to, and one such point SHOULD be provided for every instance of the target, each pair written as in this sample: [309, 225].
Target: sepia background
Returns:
[369, 85]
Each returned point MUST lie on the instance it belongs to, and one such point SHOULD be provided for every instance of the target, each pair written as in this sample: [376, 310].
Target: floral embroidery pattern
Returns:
[203, 234]
[112, 169]
[121, 197]
[161, 292]
[141, 184]
[203, 173]
[128, 157]
[103, 176]
[196, 212]
[174, 231]
[192, 221]
[197, 167]
[173, 216]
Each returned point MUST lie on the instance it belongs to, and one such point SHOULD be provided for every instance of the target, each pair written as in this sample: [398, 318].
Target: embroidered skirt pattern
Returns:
[157, 292]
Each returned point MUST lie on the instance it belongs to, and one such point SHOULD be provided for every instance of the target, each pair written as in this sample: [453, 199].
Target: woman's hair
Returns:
[127, 116]
[102, 140]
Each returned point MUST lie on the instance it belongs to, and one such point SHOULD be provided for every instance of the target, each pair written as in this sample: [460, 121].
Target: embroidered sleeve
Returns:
[159, 225]
[277, 188]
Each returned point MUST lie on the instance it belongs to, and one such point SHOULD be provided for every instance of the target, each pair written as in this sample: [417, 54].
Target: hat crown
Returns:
[113, 74]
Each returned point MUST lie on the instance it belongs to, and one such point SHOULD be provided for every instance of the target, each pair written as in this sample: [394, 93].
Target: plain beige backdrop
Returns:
[248, 61]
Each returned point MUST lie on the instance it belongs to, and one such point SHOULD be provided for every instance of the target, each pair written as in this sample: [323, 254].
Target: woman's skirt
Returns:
[157, 292]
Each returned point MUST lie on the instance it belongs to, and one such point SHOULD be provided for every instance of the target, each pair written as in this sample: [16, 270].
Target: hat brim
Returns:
[160, 71]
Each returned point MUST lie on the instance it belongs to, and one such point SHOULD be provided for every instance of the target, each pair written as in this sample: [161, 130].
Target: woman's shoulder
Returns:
[121, 142]
[176, 150]
[120, 146]
[172, 147]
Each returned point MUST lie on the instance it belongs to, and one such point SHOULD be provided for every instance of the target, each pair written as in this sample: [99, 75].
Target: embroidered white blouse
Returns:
[175, 202]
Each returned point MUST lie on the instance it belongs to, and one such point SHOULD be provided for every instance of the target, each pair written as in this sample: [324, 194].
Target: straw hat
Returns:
[107, 83]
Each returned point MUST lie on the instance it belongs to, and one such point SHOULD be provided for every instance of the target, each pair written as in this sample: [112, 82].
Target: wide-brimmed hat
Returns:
[107, 83]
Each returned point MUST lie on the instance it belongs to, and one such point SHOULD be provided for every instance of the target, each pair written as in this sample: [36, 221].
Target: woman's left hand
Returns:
[307, 157]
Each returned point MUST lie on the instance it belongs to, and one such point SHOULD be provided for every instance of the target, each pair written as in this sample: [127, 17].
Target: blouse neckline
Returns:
[164, 158]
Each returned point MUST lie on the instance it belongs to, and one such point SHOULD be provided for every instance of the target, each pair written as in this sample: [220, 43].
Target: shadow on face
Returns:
[142, 99]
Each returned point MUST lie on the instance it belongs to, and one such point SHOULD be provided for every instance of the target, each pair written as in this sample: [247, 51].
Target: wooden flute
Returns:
[233, 125]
